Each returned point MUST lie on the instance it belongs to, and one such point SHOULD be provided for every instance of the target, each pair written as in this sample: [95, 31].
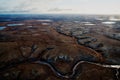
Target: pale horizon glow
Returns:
[60, 6]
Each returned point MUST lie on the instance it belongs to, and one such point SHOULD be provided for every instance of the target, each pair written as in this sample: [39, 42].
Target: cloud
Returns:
[58, 10]
[14, 11]
[63, 6]
[22, 5]
[26, 5]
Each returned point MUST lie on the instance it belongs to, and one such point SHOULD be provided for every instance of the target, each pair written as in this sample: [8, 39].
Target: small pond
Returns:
[2, 27]
[16, 24]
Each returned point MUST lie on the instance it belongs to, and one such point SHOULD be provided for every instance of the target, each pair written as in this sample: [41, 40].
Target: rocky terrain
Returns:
[61, 50]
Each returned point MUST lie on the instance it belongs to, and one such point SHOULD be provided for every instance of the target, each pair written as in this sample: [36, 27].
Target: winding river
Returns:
[76, 65]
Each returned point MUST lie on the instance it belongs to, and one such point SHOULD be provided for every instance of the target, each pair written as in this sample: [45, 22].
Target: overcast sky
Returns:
[60, 6]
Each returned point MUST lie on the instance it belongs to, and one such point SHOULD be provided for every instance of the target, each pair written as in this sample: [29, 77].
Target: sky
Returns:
[60, 6]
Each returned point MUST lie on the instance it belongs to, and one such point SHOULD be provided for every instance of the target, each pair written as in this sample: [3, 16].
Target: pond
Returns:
[2, 27]
[16, 24]
[108, 22]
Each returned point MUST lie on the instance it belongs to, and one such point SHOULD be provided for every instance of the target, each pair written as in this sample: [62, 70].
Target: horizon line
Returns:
[60, 14]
